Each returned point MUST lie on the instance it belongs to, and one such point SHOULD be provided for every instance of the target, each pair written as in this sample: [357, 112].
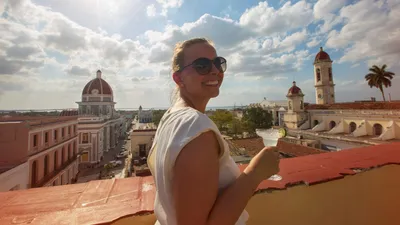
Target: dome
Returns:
[97, 86]
[294, 90]
[322, 56]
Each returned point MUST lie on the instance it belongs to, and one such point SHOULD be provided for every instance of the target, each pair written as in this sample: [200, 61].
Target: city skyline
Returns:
[52, 48]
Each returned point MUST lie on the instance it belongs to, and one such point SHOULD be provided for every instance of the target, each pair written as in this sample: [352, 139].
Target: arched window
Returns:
[318, 74]
[315, 123]
[301, 104]
[290, 104]
[330, 74]
[352, 127]
[332, 124]
[63, 155]
[377, 129]
[319, 96]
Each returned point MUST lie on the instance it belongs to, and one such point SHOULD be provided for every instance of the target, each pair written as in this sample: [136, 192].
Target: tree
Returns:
[379, 77]
[222, 118]
[157, 115]
[256, 118]
[235, 126]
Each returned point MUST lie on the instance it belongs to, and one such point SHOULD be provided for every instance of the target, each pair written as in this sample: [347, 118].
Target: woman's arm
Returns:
[195, 186]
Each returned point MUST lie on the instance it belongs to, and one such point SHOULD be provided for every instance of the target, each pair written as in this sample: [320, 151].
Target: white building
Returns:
[99, 124]
[276, 108]
[362, 122]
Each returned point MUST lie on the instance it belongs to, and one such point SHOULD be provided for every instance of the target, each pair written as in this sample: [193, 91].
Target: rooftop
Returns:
[356, 105]
[37, 120]
[366, 202]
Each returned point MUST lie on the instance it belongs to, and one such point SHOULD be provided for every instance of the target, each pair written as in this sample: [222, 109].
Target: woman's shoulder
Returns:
[189, 118]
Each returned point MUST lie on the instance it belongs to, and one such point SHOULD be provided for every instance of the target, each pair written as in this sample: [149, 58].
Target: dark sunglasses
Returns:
[203, 66]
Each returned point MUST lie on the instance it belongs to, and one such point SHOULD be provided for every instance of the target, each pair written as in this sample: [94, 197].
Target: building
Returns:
[38, 151]
[141, 142]
[99, 125]
[145, 116]
[276, 108]
[347, 187]
[339, 125]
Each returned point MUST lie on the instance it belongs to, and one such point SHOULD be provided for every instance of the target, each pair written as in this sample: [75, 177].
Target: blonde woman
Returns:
[197, 181]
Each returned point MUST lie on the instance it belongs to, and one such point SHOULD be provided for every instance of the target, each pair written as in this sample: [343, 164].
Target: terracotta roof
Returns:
[317, 168]
[95, 202]
[116, 198]
[322, 56]
[69, 112]
[294, 90]
[97, 83]
[144, 130]
[295, 150]
[252, 145]
[356, 105]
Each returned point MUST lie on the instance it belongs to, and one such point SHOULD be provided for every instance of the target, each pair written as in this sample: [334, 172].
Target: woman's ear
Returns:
[177, 78]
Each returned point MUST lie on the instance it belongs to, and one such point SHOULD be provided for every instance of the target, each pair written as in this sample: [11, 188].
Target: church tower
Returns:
[295, 116]
[324, 86]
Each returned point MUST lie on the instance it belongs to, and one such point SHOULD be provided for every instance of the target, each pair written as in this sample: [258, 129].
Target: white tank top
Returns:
[176, 129]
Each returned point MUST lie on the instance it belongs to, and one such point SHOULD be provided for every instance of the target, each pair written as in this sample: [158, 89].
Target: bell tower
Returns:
[323, 78]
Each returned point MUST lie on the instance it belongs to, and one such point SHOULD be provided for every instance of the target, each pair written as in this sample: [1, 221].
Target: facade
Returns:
[99, 125]
[145, 116]
[362, 122]
[44, 152]
[141, 142]
[276, 108]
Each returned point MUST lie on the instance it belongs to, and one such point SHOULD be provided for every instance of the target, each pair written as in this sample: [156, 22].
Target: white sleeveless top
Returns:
[175, 130]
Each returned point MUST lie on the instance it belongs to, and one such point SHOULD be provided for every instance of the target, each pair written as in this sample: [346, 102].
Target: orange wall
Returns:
[13, 143]
[368, 198]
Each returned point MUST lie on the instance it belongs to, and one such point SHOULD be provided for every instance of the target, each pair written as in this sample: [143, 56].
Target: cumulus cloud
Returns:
[47, 52]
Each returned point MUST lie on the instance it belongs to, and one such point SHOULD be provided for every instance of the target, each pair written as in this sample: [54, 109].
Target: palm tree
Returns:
[379, 77]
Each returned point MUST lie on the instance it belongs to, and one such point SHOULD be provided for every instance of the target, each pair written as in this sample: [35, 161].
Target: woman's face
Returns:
[197, 85]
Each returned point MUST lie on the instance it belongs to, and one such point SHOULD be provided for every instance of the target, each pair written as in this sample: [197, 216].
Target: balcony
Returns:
[51, 175]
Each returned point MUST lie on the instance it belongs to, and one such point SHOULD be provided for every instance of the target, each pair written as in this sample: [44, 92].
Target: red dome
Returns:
[294, 90]
[322, 56]
[98, 86]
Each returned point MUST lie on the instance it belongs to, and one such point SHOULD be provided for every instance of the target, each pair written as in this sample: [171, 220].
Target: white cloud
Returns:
[371, 32]
[151, 10]
[266, 20]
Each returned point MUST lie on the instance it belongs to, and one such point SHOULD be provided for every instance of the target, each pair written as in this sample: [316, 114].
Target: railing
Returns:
[51, 175]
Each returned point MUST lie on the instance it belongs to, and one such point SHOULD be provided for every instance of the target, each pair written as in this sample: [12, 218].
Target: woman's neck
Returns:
[186, 102]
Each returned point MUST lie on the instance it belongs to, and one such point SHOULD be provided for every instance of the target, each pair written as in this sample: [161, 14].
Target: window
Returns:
[46, 165]
[68, 152]
[35, 140]
[55, 160]
[34, 174]
[318, 75]
[377, 129]
[330, 74]
[85, 138]
[55, 135]
[69, 130]
[62, 132]
[301, 104]
[46, 137]
[319, 96]
[290, 105]
[62, 155]
[332, 95]
[332, 124]
[142, 150]
[74, 128]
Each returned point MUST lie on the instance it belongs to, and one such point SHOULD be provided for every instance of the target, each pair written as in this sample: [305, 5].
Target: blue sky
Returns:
[52, 48]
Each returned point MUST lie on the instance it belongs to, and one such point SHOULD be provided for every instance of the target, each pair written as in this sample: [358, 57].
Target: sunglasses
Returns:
[203, 66]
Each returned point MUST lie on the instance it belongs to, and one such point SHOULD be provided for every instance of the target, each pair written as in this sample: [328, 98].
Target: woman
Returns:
[197, 181]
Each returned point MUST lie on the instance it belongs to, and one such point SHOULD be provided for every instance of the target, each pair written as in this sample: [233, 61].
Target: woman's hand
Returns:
[264, 164]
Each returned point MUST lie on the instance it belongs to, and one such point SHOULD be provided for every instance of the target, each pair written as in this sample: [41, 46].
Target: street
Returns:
[93, 173]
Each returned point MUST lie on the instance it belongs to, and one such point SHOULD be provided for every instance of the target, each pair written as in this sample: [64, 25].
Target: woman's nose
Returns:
[214, 70]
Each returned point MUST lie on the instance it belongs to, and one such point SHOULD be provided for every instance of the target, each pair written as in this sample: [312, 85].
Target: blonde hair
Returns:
[178, 59]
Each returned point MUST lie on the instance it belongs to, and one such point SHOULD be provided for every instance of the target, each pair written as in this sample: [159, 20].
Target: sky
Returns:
[49, 49]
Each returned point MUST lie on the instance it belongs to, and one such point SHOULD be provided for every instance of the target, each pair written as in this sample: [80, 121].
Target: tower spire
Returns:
[98, 74]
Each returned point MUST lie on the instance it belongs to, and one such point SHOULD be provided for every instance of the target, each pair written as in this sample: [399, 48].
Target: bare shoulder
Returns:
[205, 145]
